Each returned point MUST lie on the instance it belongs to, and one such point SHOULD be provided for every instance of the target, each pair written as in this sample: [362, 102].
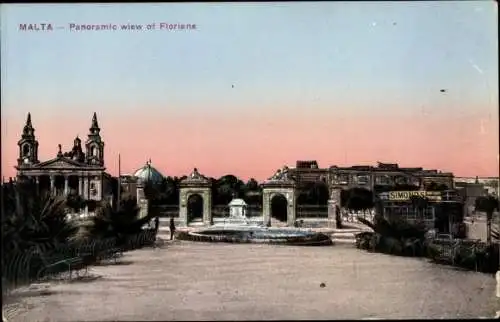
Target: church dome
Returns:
[148, 174]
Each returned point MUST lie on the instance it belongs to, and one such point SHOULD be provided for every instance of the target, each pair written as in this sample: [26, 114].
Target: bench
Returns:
[54, 265]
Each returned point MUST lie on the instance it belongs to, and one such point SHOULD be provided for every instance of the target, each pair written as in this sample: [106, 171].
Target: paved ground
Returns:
[203, 281]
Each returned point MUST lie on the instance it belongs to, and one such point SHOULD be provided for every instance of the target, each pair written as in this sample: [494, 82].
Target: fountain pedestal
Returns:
[237, 212]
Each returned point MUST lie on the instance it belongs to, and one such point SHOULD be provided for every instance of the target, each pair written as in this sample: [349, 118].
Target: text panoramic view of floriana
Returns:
[250, 161]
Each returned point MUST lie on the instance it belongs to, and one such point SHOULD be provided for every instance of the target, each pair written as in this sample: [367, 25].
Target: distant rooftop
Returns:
[309, 164]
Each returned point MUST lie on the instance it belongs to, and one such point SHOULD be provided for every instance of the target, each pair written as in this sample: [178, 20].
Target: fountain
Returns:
[238, 229]
[237, 216]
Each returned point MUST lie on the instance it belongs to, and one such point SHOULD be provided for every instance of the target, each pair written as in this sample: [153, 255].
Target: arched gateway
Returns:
[278, 186]
[195, 184]
[279, 197]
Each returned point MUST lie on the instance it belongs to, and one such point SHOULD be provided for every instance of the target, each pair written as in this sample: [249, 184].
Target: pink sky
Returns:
[257, 86]
[254, 146]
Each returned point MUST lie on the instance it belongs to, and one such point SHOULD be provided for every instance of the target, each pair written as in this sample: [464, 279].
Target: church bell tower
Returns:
[94, 145]
[28, 145]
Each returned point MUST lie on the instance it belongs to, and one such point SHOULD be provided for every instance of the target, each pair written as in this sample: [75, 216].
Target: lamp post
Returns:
[119, 184]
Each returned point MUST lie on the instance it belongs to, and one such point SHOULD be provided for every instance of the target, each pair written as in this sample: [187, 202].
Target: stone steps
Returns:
[345, 236]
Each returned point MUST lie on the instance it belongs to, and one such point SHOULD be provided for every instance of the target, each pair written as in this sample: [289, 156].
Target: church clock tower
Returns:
[94, 145]
[28, 145]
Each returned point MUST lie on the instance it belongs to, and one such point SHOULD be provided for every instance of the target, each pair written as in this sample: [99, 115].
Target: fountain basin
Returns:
[257, 234]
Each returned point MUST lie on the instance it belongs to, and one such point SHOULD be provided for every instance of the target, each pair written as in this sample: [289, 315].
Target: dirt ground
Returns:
[206, 281]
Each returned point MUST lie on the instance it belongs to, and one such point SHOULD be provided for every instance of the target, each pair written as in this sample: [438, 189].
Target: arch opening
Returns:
[195, 208]
[26, 150]
[279, 206]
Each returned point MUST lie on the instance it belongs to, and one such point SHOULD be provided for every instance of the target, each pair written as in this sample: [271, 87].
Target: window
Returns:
[363, 179]
[93, 151]
[26, 150]
[343, 179]
[401, 180]
[383, 180]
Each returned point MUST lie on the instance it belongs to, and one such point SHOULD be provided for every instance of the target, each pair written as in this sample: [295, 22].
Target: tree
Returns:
[225, 188]
[359, 199]
[75, 202]
[164, 192]
[488, 205]
[109, 222]
[313, 193]
[252, 185]
[319, 193]
[34, 220]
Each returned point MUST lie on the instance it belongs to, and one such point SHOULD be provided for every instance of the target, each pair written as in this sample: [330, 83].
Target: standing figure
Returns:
[157, 223]
[172, 228]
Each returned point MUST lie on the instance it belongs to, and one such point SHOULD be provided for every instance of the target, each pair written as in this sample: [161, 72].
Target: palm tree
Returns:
[34, 222]
[488, 205]
[109, 222]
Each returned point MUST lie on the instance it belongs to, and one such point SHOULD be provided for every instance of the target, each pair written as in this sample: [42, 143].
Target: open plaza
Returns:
[202, 281]
[199, 278]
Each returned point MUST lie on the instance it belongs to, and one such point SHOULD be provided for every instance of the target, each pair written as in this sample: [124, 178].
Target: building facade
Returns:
[147, 174]
[441, 210]
[490, 184]
[472, 188]
[80, 171]
[370, 177]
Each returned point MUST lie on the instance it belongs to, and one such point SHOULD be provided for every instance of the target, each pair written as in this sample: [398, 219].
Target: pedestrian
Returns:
[172, 228]
[157, 223]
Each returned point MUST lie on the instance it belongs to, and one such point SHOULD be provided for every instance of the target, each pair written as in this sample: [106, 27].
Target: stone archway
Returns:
[279, 207]
[279, 184]
[195, 184]
[194, 207]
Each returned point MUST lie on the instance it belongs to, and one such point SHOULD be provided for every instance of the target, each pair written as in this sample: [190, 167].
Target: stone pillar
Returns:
[143, 208]
[334, 205]
[140, 193]
[86, 188]
[52, 185]
[98, 187]
[80, 186]
[183, 208]
[207, 208]
[290, 213]
[66, 185]
[266, 207]
[332, 219]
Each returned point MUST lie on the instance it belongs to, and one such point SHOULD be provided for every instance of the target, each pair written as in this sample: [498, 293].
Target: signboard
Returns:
[406, 195]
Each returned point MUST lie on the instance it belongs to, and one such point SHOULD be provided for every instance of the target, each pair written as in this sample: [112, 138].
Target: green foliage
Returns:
[75, 202]
[314, 193]
[486, 204]
[109, 222]
[166, 192]
[357, 199]
[394, 236]
[34, 221]
[404, 239]
[223, 191]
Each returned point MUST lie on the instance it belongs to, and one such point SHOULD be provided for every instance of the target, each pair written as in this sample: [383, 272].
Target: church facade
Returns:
[80, 171]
